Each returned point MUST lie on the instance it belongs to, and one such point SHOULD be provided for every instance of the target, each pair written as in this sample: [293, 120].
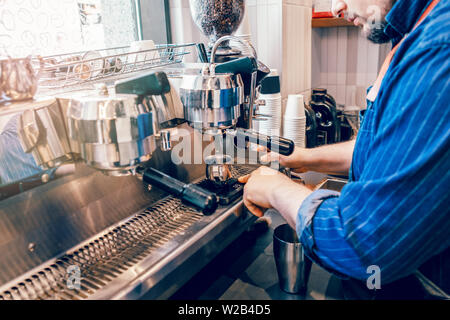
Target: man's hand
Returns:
[260, 189]
[331, 159]
[297, 161]
[267, 188]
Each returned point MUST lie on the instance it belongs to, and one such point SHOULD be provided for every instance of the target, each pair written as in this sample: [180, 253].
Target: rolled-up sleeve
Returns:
[309, 207]
[318, 220]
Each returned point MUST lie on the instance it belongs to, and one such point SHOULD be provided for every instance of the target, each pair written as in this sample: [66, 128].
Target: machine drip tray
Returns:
[226, 194]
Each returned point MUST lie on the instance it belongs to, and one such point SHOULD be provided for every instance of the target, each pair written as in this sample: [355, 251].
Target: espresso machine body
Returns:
[223, 104]
[129, 233]
[114, 132]
[212, 102]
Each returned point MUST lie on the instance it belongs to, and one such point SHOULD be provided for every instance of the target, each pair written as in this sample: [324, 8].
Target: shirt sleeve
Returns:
[396, 215]
[321, 207]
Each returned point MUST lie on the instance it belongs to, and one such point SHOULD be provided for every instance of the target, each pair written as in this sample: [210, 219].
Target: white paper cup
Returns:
[295, 130]
[295, 107]
[295, 124]
[148, 57]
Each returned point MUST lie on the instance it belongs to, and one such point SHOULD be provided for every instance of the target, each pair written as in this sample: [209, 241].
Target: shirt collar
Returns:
[402, 18]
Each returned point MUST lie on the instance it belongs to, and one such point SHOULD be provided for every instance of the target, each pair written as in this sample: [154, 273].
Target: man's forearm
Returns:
[287, 199]
[331, 159]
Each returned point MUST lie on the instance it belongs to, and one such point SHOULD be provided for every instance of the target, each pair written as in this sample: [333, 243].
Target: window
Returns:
[155, 20]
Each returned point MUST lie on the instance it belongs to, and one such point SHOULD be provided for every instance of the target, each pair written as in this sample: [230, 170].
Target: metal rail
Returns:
[80, 68]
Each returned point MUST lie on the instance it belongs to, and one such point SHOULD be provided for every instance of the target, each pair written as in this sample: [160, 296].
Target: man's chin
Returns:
[376, 34]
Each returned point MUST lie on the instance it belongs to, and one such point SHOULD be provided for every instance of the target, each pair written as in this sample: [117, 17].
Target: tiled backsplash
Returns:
[345, 63]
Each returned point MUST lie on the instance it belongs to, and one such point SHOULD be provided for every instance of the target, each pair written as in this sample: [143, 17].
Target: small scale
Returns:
[226, 194]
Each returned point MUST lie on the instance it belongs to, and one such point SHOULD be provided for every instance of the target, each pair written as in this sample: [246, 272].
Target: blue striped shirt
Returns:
[394, 212]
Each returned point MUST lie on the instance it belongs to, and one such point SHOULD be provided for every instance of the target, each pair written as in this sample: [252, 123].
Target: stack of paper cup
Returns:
[295, 120]
[271, 106]
[271, 109]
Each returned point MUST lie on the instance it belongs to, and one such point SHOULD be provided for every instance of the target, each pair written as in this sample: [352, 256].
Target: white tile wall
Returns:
[183, 27]
[283, 39]
[296, 48]
[345, 63]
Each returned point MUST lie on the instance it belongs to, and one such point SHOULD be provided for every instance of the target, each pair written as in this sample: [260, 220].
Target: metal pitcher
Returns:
[18, 78]
[42, 133]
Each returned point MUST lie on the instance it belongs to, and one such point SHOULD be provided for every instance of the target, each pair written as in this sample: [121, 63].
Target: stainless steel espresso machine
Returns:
[95, 202]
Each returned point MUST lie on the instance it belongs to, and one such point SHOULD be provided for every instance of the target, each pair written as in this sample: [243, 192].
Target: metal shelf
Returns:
[76, 69]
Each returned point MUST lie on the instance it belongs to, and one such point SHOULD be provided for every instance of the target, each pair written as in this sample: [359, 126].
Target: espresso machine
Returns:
[110, 201]
[127, 217]
[223, 96]
[114, 216]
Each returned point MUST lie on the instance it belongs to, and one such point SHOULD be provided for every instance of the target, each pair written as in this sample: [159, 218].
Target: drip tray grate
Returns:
[111, 254]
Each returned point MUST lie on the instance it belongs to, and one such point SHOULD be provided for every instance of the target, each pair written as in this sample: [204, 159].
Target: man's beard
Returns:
[377, 35]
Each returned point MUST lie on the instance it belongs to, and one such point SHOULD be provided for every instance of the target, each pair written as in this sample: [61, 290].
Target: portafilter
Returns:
[154, 92]
[191, 194]
[218, 169]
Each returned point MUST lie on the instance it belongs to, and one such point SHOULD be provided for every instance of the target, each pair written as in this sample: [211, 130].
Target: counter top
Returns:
[246, 271]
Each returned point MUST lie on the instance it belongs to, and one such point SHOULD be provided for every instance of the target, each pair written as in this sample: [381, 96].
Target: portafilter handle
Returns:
[189, 193]
[279, 145]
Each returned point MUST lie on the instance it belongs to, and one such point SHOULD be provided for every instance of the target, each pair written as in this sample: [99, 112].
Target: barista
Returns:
[394, 213]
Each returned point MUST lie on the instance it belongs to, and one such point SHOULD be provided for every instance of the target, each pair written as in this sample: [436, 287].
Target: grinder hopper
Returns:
[218, 18]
